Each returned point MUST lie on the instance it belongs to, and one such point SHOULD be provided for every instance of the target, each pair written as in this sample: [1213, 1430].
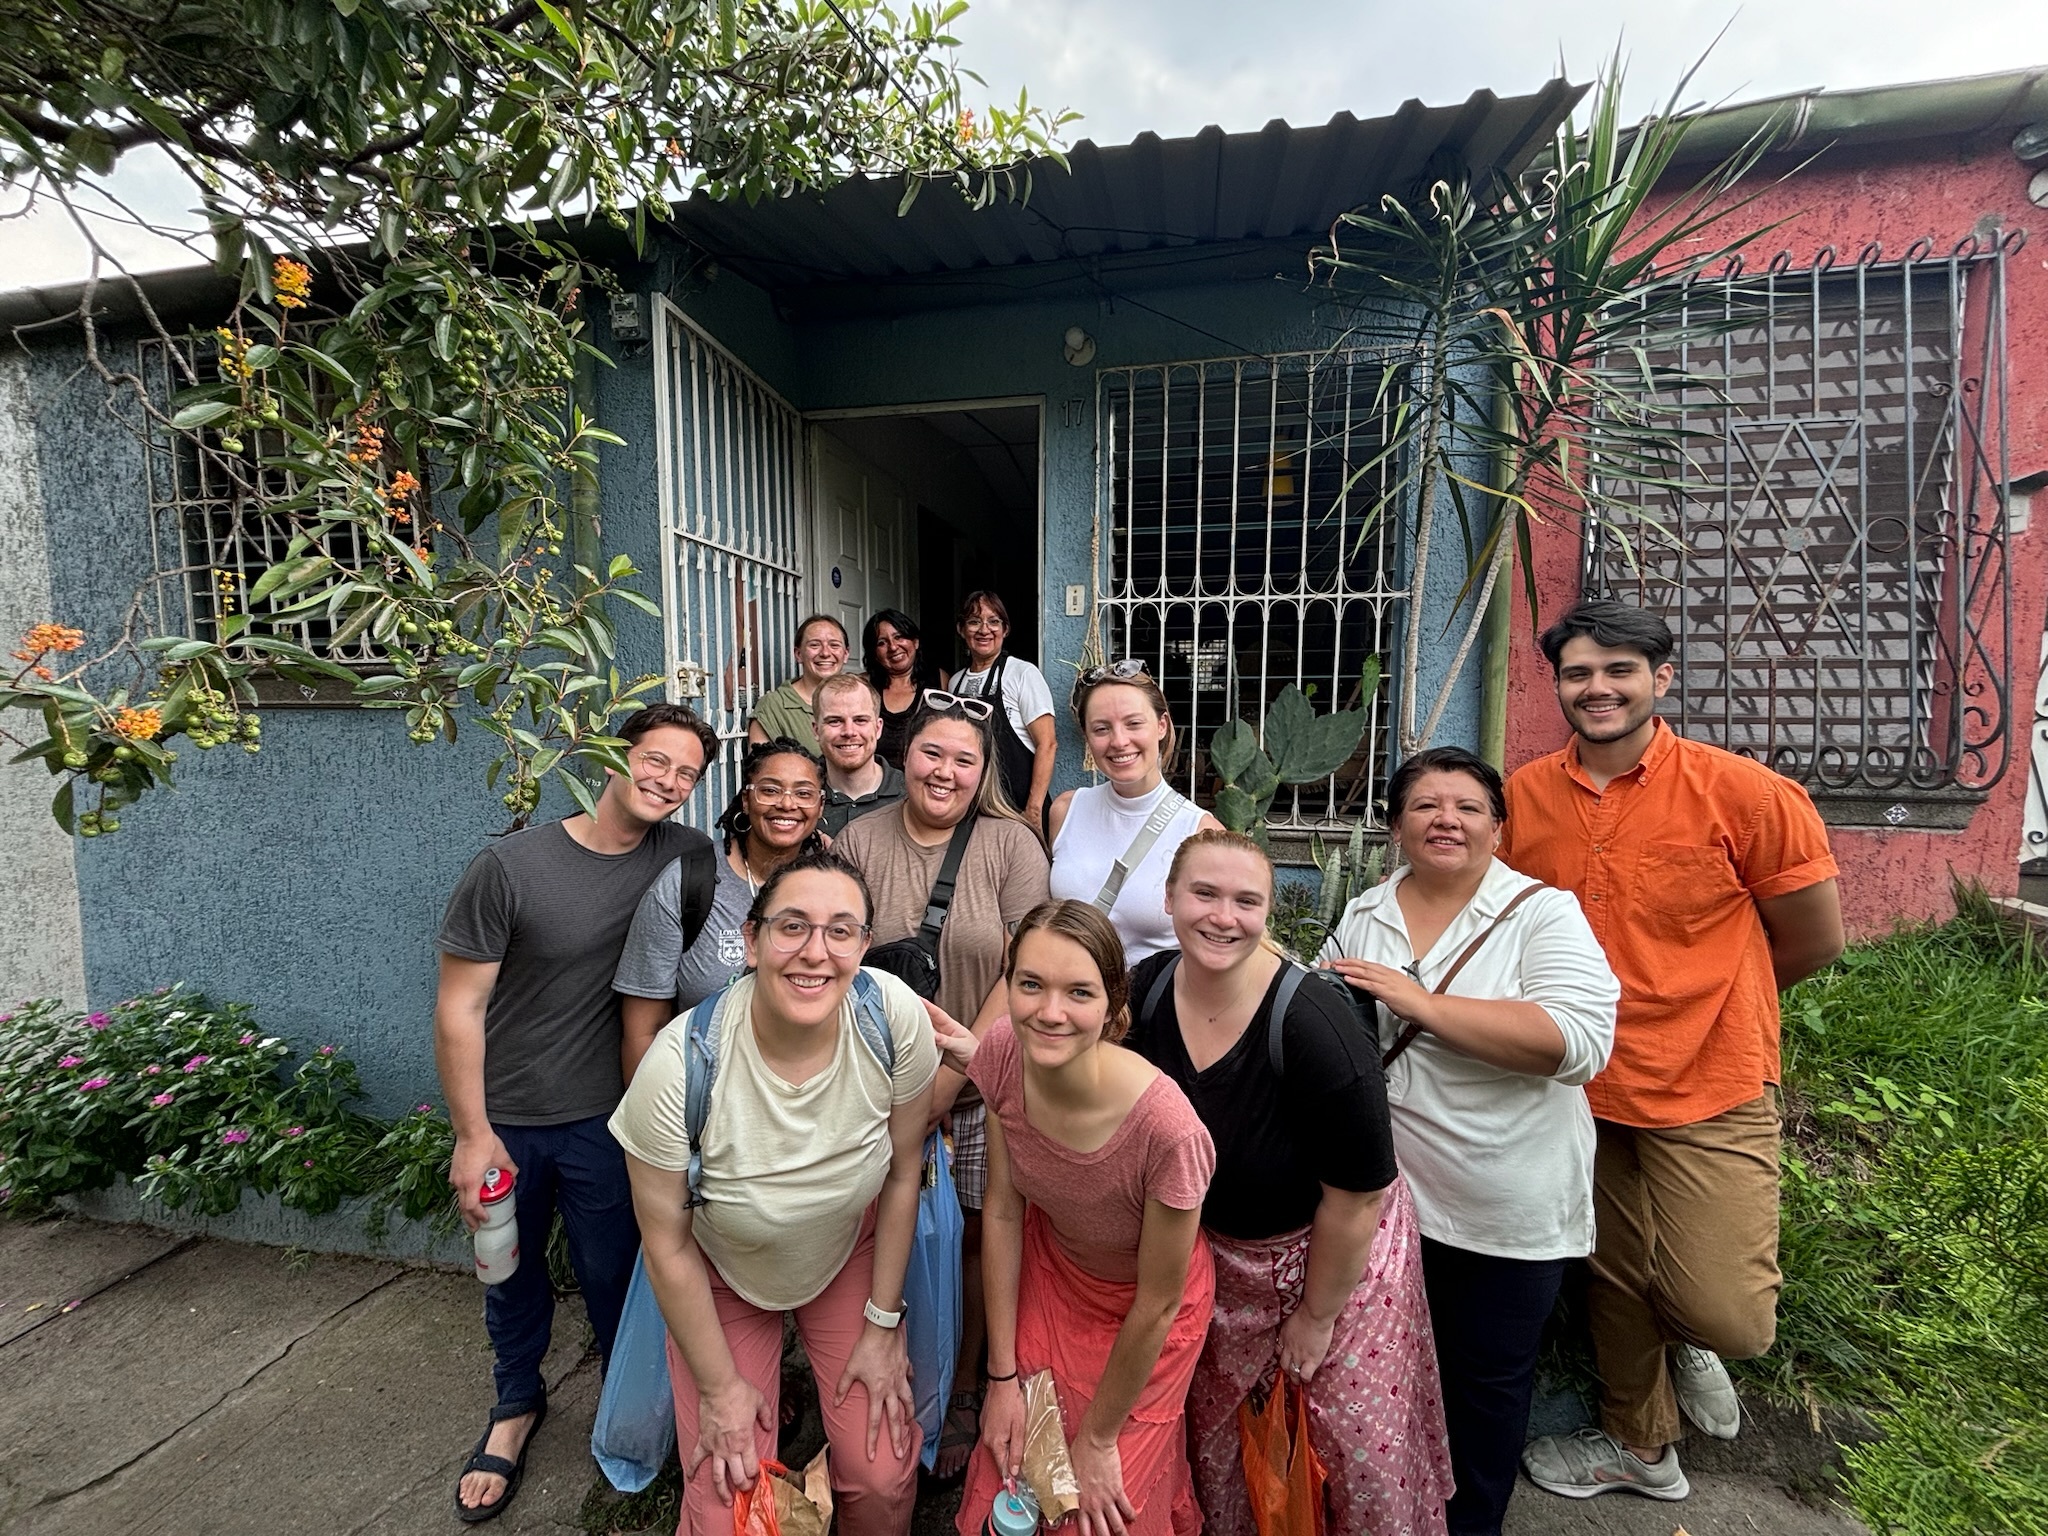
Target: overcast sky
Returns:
[1174, 66]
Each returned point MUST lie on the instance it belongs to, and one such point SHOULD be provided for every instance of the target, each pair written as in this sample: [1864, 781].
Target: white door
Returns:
[734, 533]
[865, 537]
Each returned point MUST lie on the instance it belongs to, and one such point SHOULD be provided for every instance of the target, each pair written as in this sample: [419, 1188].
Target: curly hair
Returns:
[733, 820]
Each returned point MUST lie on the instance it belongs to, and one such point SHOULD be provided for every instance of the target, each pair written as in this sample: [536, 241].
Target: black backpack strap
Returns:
[942, 888]
[1290, 983]
[700, 886]
[1156, 994]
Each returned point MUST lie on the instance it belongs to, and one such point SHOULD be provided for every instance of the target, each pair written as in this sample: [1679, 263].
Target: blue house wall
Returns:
[308, 880]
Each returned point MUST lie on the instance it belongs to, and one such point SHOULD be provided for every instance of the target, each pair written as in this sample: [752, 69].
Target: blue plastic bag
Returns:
[636, 1415]
[931, 1294]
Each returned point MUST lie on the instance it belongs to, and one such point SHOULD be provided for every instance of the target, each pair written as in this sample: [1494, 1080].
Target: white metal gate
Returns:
[732, 523]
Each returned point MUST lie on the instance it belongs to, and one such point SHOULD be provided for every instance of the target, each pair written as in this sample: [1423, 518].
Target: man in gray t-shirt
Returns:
[526, 1035]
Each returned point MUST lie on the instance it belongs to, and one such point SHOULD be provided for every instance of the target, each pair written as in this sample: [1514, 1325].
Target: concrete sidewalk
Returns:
[155, 1385]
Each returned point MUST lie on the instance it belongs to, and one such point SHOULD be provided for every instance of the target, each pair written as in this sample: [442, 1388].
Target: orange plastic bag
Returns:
[1282, 1473]
[781, 1504]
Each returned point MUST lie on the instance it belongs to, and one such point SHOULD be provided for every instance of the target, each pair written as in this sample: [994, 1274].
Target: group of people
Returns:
[1194, 1171]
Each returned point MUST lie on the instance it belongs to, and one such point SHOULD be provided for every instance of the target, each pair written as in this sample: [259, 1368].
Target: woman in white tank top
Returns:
[1097, 830]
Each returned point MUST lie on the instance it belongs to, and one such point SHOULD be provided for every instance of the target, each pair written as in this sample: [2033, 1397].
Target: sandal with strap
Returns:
[498, 1466]
[960, 1434]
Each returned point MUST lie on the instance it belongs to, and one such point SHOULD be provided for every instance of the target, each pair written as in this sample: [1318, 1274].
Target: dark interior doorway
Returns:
[972, 474]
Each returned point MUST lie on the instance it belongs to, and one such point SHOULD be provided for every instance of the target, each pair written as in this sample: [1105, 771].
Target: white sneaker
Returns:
[1705, 1394]
[1588, 1463]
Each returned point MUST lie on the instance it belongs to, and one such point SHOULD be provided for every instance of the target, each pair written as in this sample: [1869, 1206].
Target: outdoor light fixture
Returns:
[1080, 347]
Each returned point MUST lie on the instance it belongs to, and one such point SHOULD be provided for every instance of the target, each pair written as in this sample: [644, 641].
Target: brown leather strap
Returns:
[1407, 1035]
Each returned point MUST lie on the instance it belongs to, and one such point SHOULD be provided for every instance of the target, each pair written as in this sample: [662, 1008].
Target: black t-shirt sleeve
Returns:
[477, 924]
[1335, 1093]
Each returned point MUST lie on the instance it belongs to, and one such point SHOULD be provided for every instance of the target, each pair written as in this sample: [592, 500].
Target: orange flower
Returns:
[966, 126]
[403, 484]
[42, 638]
[292, 280]
[138, 724]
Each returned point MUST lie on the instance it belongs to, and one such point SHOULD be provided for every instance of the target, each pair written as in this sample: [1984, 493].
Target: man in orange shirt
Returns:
[1708, 880]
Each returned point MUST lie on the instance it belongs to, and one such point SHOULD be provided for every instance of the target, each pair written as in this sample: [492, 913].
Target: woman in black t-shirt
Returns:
[1318, 1257]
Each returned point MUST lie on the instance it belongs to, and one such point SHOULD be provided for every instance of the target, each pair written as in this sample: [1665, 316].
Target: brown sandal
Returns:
[959, 1435]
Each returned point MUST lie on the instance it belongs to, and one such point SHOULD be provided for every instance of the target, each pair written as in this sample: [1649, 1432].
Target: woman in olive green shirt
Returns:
[821, 650]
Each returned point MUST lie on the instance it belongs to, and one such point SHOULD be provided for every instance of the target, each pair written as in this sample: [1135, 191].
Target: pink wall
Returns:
[1937, 190]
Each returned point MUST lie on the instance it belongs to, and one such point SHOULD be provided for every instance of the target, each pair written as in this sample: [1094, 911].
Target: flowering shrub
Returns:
[195, 1104]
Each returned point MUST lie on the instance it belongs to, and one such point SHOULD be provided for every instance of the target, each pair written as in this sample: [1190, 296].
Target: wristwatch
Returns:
[878, 1317]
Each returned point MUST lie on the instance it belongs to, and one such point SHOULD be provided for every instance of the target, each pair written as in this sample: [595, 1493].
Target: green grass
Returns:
[1915, 1241]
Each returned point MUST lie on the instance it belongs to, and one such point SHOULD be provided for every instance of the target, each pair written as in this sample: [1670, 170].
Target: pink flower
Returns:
[6, 1018]
[248, 1039]
[151, 1070]
[197, 1062]
[162, 1099]
[98, 1020]
[71, 1061]
[297, 1130]
[426, 1109]
[309, 1162]
[234, 1138]
[326, 1050]
[93, 1084]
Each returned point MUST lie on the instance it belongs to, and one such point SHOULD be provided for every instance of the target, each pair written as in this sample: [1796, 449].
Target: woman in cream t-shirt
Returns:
[810, 1162]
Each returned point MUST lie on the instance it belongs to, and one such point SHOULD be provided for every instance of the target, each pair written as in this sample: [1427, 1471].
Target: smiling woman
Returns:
[821, 651]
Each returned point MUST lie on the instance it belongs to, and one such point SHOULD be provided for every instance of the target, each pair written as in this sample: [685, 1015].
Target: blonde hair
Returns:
[1146, 684]
[1082, 922]
[843, 682]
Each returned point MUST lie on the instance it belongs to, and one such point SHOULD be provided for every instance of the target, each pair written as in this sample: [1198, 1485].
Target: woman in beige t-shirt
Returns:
[949, 774]
[811, 1156]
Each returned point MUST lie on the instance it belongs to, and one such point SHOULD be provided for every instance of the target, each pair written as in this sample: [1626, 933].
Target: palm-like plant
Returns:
[1534, 327]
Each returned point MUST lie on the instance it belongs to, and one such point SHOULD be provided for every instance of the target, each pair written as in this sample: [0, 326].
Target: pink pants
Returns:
[870, 1498]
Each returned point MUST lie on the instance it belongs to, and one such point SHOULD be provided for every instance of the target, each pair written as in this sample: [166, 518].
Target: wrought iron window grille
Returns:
[1831, 552]
[1238, 555]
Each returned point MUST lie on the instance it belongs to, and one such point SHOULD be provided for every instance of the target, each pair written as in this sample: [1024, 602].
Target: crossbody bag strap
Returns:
[1408, 1034]
[1168, 807]
[942, 888]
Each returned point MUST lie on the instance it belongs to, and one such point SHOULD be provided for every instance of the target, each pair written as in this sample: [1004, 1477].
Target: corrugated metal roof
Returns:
[1279, 184]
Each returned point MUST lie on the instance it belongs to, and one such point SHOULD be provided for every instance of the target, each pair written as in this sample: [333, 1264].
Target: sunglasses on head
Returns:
[940, 702]
[1111, 672]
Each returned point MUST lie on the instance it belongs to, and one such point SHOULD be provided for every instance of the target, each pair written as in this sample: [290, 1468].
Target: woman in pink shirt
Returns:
[1091, 1255]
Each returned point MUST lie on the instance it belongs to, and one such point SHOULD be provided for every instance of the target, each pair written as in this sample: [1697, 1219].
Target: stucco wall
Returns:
[1940, 192]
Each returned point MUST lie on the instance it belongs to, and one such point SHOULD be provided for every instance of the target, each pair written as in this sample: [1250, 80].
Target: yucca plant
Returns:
[1533, 326]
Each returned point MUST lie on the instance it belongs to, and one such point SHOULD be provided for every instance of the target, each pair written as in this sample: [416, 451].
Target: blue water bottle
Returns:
[1014, 1512]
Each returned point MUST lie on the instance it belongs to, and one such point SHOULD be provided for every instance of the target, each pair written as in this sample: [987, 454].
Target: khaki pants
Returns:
[1687, 1253]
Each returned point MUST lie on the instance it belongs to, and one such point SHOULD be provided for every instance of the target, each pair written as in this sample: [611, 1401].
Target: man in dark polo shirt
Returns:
[526, 1035]
[849, 724]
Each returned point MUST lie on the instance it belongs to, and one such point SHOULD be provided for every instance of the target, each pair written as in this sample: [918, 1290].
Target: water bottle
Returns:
[1014, 1512]
[497, 1240]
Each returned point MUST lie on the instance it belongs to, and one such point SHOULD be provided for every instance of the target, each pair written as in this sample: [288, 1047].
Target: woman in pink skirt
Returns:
[1318, 1257]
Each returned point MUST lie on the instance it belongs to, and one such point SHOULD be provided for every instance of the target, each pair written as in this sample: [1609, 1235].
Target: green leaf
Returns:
[205, 413]
[580, 793]
[1232, 749]
[1236, 809]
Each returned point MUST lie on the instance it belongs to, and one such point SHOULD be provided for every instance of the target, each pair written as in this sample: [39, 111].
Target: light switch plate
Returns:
[1077, 600]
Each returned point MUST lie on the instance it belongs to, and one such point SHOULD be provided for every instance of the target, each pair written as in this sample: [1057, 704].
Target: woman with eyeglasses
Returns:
[785, 710]
[803, 1200]
[949, 776]
[1026, 739]
[771, 820]
[1113, 842]
[892, 646]
[1096, 1269]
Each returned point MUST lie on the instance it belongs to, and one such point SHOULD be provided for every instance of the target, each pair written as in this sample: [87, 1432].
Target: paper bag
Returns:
[779, 1504]
[1048, 1468]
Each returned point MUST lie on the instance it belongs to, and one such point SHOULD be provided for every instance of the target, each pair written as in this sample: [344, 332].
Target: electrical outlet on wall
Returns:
[1077, 600]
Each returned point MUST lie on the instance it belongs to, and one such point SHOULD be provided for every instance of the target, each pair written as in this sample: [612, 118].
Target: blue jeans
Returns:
[578, 1169]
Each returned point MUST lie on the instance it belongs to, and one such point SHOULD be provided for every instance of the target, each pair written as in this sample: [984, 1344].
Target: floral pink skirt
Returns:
[1376, 1415]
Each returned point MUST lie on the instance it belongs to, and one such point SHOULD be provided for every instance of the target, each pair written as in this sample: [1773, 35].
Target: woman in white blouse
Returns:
[1494, 994]
[1113, 842]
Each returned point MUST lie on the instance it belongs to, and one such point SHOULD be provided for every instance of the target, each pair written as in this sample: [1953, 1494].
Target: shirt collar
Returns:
[1663, 742]
[1496, 888]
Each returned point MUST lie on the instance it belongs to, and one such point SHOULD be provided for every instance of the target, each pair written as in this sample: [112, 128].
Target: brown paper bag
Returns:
[806, 1509]
[1048, 1468]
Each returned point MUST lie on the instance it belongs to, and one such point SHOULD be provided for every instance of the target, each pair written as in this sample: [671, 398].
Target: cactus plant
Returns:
[1299, 747]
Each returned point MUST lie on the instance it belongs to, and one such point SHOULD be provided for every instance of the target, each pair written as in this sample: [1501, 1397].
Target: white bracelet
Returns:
[878, 1317]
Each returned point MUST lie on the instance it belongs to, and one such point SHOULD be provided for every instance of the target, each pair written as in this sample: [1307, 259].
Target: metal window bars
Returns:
[730, 453]
[1239, 553]
[1833, 562]
[213, 507]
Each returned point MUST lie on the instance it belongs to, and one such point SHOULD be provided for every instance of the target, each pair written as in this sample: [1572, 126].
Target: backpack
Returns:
[870, 1022]
[1291, 978]
[700, 886]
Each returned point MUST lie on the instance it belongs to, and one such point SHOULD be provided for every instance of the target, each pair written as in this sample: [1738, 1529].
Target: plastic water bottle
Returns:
[1014, 1512]
[497, 1240]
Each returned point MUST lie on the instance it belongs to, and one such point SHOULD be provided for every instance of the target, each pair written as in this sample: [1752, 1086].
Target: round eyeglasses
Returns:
[788, 932]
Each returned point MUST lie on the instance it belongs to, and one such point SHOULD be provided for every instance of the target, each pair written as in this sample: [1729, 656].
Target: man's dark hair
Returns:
[1446, 760]
[1612, 626]
[641, 721]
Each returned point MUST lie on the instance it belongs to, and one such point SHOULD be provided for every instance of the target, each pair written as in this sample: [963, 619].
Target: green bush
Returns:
[195, 1104]
[1915, 1238]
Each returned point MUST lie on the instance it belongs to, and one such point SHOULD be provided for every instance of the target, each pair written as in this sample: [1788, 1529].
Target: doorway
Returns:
[914, 509]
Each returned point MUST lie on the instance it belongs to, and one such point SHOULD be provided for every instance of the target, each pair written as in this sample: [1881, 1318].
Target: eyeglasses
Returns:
[805, 795]
[655, 764]
[1112, 672]
[961, 703]
[789, 932]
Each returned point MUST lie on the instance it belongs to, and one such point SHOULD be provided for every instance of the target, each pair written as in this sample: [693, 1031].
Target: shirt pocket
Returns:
[1682, 889]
